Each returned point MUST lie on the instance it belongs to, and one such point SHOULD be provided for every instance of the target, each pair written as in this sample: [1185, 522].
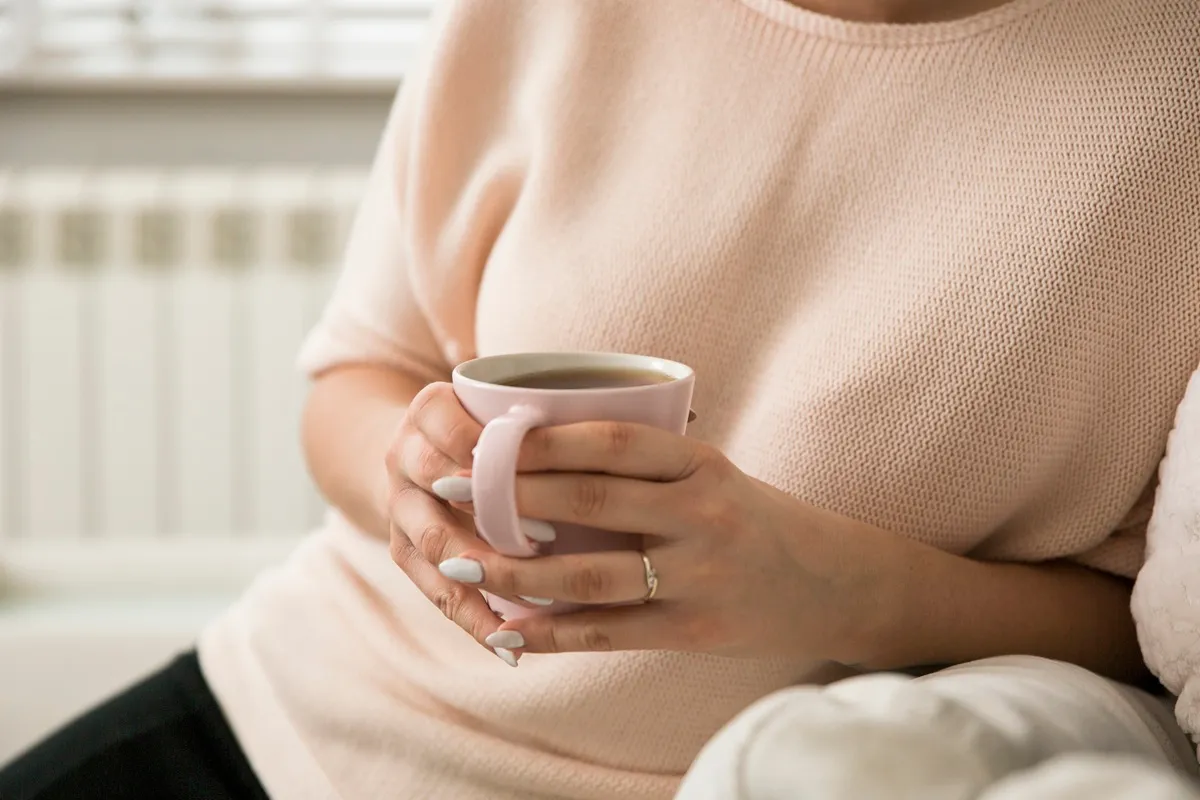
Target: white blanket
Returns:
[1013, 728]
[1166, 598]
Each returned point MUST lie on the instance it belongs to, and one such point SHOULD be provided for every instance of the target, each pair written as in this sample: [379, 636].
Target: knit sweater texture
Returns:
[943, 278]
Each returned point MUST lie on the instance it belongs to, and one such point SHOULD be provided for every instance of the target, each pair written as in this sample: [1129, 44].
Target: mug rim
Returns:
[676, 370]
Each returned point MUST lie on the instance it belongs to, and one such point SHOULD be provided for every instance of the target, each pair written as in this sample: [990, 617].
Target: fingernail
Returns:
[537, 530]
[506, 640]
[506, 655]
[456, 489]
[466, 570]
[537, 601]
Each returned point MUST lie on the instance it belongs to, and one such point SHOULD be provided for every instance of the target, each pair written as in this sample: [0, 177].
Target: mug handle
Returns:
[494, 480]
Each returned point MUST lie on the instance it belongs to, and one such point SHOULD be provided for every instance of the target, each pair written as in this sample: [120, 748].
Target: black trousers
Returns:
[163, 739]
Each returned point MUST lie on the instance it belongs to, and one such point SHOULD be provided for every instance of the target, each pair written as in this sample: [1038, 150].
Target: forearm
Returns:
[935, 608]
[350, 419]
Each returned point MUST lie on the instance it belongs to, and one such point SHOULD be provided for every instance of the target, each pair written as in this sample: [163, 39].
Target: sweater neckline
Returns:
[891, 34]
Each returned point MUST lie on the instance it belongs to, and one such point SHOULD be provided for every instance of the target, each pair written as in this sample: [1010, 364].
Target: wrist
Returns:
[926, 609]
[877, 612]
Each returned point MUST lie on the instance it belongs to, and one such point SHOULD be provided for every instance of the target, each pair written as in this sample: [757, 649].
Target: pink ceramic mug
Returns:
[509, 412]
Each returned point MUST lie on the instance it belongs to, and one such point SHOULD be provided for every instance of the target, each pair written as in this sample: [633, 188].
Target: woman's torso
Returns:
[946, 281]
[956, 295]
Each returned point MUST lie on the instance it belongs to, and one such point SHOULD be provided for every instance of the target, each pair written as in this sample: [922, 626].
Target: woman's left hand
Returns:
[743, 569]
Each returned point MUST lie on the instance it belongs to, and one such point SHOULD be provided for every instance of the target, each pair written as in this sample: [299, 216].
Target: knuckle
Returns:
[586, 497]
[401, 491]
[617, 437]
[537, 449]
[431, 394]
[451, 600]
[440, 394]
[594, 639]
[473, 622]
[713, 561]
[396, 495]
[704, 633]
[401, 550]
[460, 438]
[436, 541]
[430, 464]
[554, 640]
[420, 403]
[501, 579]
[700, 457]
[586, 584]
[479, 629]
[717, 512]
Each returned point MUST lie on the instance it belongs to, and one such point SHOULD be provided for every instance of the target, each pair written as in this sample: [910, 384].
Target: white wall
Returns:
[76, 626]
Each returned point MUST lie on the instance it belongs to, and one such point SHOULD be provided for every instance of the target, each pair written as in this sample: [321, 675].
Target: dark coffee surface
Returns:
[588, 378]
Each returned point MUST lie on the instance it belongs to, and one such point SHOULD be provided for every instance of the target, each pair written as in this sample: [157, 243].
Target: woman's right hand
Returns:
[435, 440]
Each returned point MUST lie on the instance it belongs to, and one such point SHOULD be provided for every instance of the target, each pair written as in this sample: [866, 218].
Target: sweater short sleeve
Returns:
[406, 294]
[374, 316]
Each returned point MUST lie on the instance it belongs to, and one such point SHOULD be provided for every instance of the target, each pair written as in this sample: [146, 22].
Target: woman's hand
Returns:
[435, 440]
[743, 569]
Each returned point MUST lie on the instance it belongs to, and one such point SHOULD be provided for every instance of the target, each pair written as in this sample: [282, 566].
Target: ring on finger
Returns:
[651, 576]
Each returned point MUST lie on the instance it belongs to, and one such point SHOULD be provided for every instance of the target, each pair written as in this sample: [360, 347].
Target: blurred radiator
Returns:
[148, 325]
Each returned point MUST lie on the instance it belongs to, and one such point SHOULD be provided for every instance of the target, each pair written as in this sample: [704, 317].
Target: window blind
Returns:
[267, 39]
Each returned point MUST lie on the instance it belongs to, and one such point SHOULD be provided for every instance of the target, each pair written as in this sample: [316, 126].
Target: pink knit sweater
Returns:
[943, 278]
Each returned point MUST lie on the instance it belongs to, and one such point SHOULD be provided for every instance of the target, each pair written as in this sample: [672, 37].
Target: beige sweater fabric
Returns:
[943, 278]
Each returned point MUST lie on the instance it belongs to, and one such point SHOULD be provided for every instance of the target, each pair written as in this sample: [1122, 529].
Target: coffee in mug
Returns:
[588, 378]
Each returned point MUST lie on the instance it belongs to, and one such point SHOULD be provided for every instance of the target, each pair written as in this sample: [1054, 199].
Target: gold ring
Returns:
[651, 578]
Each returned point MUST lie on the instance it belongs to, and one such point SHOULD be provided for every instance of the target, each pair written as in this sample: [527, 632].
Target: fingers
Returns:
[439, 535]
[436, 439]
[443, 422]
[594, 578]
[424, 533]
[422, 463]
[645, 627]
[616, 448]
[437, 532]
[623, 505]
[463, 605]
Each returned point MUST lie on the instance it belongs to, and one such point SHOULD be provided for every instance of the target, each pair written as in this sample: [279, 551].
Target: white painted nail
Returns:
[456, 489]
[537, 530]
[506, 655]
[536, 601]
[506, 640]
[466, 570]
